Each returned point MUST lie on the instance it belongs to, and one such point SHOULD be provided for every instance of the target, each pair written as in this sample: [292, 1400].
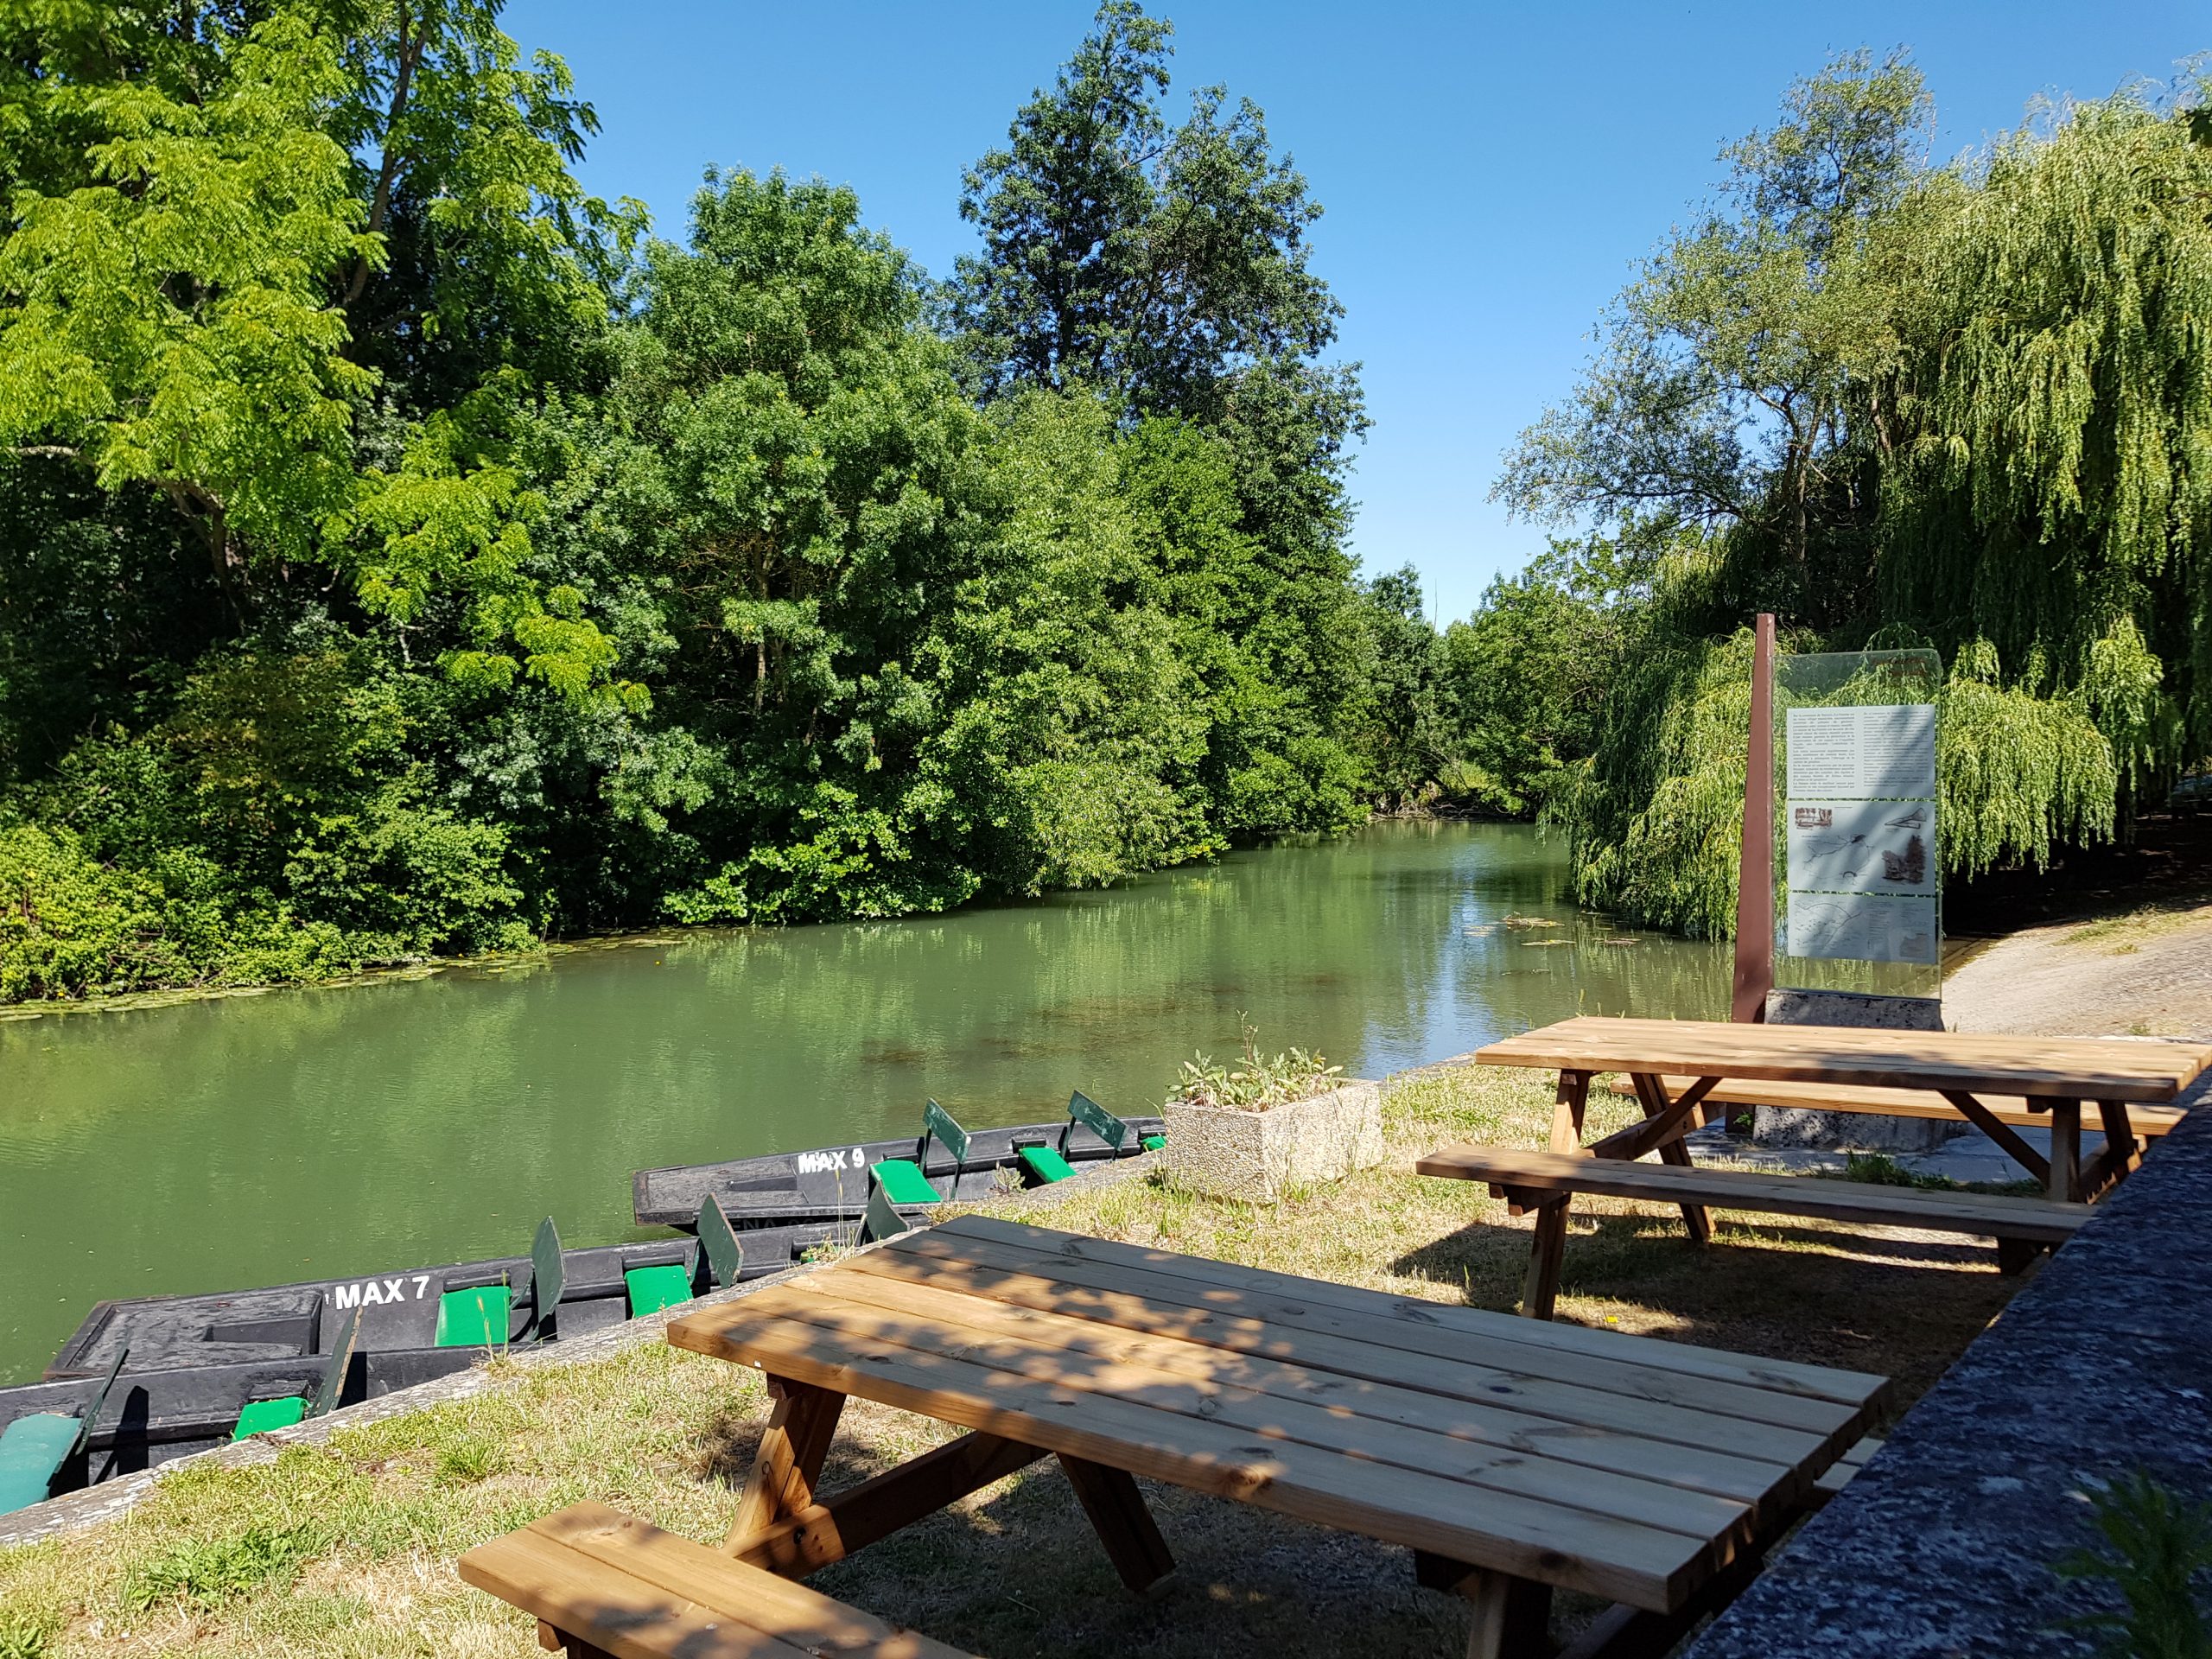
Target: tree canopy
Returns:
[406, 553]
[1898, 404]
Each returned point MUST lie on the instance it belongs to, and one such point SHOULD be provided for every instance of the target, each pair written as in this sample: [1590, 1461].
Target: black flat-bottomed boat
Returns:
[944, 1164]
[189, 1372]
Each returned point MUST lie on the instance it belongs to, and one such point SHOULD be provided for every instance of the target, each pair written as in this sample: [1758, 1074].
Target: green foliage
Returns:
[2018, 773]
[1258, 1081]
[71, 925]
[2052, 492]
[1152, 262]
[405, 557]
[23, 1636]
[207, 1573]
[2156, 1552]
[1720, 397]
[198, 293]
[1656, 816]
[1526, 677]
[1966, 407]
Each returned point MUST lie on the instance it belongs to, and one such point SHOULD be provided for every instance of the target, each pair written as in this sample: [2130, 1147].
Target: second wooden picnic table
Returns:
[2054, 1075]
[1511, 1457]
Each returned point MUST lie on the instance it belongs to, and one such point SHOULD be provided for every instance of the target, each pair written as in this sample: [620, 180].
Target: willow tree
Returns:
[2005, 365]
[2049, 490]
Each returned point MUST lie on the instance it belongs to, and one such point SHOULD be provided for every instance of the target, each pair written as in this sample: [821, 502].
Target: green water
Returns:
[315, 1133]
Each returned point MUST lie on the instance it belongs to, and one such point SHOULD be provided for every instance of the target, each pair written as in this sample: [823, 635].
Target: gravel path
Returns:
[2148, 975]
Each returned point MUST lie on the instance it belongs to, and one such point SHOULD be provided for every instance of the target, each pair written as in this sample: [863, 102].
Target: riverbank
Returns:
[386, 1127]
[346, 1545]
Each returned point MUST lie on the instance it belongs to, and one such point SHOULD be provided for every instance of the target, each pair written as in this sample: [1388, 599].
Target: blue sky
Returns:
[1491, 172]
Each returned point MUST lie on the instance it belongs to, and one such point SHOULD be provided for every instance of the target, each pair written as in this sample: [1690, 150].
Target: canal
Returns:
[313, 1133]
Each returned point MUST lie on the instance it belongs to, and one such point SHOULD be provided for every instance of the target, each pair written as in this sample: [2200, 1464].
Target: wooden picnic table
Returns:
[1511, 1457]
[2053, 1074]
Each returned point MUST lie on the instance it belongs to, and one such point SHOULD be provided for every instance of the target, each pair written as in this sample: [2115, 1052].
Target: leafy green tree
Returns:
[1149, 261]
[1526, 677]
[1408, 741]
[401, 559]
[2051, 488]
[1959, 408]
[1722, 394]
[194, 203]
[1166, 268]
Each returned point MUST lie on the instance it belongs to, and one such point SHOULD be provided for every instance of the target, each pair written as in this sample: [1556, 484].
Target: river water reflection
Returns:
[327, 1132]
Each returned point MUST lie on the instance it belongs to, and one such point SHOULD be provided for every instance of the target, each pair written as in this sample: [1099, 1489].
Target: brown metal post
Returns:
[1755, 884]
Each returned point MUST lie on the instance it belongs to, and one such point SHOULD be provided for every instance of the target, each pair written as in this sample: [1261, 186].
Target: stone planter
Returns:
[1262, 1155]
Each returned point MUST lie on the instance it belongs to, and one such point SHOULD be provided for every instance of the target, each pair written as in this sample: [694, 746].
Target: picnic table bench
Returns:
[1678, 1069]
[1510, 1457]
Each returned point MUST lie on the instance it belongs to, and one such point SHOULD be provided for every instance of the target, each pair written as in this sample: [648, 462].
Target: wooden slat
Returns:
[961, 1327]
[1640, 1564]
[1658, 1109]
[1687, 1096]
[2014, 1110]
[2079, 1067]
[1687, 1360]
[691, 1574]
[1970, 1107]
[1723, 1473]
[1597, 1393]
[609, 1608]
[1981, 1214]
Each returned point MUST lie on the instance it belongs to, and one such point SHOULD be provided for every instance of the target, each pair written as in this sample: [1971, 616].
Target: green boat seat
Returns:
[270, 1413]
[903, 1182]
[474, 1318]
[653, 1288]
[880, 1220]
[297, 1408]
[721, 1257]
[32, 1450]
[1046, 1165]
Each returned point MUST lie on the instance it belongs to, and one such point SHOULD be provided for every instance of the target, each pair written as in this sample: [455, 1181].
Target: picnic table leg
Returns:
[833, 1527]
[788, 1460]
[1512, 1617]
[1540, 1293]
[1651, 1094]
[2123, 1153]
[1109, 1497]
[2066, 1150]
[1567, 1108]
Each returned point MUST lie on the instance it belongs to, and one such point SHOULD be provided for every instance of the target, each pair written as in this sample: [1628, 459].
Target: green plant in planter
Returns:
[1258, 1082]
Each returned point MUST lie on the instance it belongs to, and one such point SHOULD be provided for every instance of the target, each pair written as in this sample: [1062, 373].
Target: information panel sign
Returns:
[1858, 827]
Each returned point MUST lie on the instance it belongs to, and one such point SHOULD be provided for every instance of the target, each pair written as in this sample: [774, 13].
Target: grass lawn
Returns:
[346, 1548]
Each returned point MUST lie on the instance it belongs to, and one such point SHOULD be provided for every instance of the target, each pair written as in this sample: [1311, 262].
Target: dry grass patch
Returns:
[2123, 935]
[346, 1549]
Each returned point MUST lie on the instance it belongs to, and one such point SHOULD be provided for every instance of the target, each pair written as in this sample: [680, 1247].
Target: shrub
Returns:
[1259, 1081]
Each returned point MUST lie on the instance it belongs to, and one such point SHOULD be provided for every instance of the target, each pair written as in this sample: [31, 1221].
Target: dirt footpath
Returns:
[2146, 973]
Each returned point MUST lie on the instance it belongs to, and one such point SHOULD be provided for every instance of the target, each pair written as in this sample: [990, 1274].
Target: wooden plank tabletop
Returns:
[2079, 1068]
[1620, 1465]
